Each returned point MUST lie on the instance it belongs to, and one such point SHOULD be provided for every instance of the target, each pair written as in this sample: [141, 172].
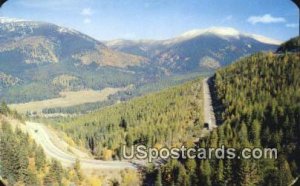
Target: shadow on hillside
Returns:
[218, 107]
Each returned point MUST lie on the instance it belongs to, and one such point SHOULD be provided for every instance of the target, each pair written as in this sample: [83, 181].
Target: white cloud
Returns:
[292, 25]
[87, 12]
[87, 21]
[267, 18]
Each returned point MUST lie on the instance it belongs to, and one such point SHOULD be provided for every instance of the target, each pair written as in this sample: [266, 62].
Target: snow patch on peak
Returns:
[264, 39]
[66, 30]
[223, 31]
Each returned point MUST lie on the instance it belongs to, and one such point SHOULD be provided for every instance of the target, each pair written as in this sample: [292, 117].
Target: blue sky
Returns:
[160, 19]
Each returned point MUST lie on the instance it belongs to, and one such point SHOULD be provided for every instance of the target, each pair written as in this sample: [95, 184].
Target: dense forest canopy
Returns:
[167, 118]
[260, 101]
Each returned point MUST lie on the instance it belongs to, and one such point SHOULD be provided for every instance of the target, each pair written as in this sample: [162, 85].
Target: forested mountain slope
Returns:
[260, 100]
[167, 118]
[39, 60]
[292, 45]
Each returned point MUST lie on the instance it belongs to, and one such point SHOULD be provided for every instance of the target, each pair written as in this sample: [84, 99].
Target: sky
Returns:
[160, 19]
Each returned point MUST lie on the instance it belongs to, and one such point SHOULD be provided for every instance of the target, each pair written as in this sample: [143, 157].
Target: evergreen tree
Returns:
[220, 172]
[255, 133]
[4, 108]
[205, 173]
[78, 170]
[158, 179]
[55, 173]
[40, 158]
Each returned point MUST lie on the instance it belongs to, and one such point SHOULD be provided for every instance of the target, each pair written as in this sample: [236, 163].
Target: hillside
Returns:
[37, 60]
[292, 45]
[258, 98]
[167, 118]
[258, 109]
[23, 162]
[41, 43]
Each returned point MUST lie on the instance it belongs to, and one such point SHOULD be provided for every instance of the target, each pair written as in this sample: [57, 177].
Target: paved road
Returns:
[209, 116]
[42, 136]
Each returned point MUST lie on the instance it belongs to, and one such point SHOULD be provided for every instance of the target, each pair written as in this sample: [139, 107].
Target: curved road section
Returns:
[42, 136]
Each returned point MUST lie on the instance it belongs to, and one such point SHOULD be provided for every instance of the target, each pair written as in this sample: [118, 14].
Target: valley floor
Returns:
[67, 99]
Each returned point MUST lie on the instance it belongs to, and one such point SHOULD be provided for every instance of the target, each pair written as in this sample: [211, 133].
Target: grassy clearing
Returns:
[67, 99]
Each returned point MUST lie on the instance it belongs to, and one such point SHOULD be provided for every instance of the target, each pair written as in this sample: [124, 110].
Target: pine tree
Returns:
[243, 135]
[285, 174]
[129, 140]
[78, 170]
[182, 178]
[213, 139]
[55, 173]
[4, 108]
[158, 179]
[205, 173]
[220, 172]
[228, 172]
[40, 158]
[255, 133]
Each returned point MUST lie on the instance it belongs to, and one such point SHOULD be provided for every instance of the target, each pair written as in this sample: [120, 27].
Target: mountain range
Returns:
[196, 49]
[35, 54]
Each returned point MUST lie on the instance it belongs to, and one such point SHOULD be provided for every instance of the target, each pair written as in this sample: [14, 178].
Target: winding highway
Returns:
[41, 135]
[44, 137]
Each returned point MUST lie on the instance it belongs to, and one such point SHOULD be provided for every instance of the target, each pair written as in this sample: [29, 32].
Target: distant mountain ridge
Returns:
[39, 42]
[227, 32]
[196, 49]
[32, 42]
[34, 54]
[221, 31]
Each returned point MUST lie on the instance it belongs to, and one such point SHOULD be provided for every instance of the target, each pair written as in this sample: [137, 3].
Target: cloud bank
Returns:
[267, 18]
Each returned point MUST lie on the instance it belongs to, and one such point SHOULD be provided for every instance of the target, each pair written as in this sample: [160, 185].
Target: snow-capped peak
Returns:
[222, 31]
[264, 39]
[225, 32]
